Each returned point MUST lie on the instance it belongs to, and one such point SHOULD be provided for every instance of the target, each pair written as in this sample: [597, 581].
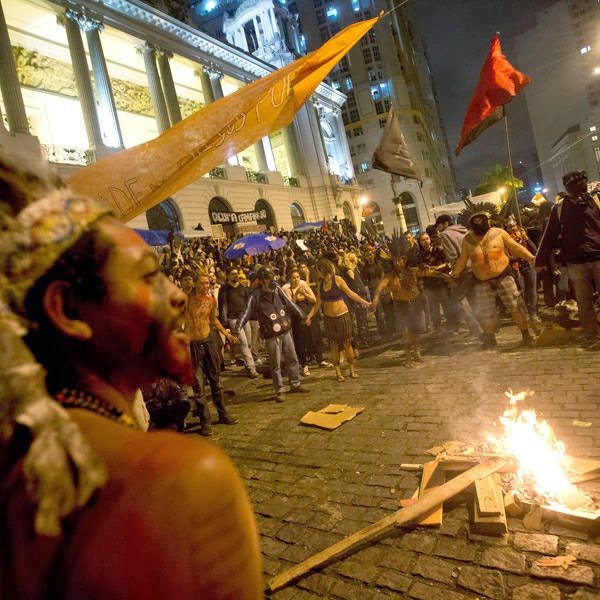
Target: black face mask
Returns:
[480, 228]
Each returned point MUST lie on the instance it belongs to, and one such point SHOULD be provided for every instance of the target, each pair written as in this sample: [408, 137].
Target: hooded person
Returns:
[574, 229]
[88, 317]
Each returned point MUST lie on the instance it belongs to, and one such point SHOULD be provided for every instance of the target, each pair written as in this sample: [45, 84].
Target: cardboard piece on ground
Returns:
[582, 469]
[332, 416]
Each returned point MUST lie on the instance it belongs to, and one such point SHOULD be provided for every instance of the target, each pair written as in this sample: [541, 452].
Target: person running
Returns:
[331, 297]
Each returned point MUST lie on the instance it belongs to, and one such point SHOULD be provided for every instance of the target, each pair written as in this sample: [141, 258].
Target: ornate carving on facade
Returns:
[48, 74]
[85, 20]
[213, 71]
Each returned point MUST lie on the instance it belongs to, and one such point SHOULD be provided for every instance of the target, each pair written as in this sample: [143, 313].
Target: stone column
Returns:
[106, 100]
[343, 142]
[291, 149]
[9, 83]
[156, 93]
[207, 91]
[83, 83]
[261, 157]
[168, 86]
[215, 81]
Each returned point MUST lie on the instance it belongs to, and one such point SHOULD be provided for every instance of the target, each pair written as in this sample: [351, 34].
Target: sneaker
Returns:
[305, 371]
[325, 364]
[253, 374]
[298, 390]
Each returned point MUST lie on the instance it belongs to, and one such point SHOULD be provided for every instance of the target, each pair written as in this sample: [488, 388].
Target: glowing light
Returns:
[210, 5]
[540, 456]
[501, 190]
[363, 200]
[597, 71]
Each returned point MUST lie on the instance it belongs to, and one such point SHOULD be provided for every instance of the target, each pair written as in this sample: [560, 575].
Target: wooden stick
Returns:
[404, 517]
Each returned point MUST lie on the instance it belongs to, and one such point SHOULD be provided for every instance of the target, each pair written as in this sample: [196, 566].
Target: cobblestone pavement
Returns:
[311, 487]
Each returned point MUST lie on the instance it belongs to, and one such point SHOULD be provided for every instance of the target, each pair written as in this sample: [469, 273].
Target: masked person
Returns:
[103, 321]
[271, 307]
[486, 247]
[574, 229]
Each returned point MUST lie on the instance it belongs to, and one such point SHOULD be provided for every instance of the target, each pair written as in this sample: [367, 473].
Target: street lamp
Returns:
[363, 200]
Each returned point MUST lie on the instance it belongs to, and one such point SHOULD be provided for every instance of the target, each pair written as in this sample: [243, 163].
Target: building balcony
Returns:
[65, 155]
[291, 181]
[256, 177]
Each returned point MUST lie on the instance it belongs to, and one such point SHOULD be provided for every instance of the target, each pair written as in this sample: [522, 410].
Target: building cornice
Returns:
[160, 29]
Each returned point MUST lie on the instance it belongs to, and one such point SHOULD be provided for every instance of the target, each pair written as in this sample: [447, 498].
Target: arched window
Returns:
[297, 214]
[349, 213]
[269, 221]
[409, 208]
[220, 205]
[164, 216]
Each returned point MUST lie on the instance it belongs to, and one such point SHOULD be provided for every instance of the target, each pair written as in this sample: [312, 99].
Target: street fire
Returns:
[541, 475]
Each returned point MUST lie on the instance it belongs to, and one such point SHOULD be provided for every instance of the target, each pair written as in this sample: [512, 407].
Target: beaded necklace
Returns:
[73, 398]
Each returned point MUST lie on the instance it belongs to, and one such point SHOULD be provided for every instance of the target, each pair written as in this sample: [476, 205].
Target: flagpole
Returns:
[399, 209]
[510, 168]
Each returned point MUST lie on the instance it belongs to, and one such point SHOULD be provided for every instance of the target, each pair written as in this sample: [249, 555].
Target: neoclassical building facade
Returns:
[81, 80]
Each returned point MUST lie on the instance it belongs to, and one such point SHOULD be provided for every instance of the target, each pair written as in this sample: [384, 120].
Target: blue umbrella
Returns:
[255, 243]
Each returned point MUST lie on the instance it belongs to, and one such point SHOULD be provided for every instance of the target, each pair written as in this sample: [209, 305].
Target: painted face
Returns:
[137, 327]
[203, 285]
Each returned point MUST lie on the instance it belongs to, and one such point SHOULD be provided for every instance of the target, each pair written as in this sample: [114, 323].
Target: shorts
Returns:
[410, 316]
[338, 329]
[486, 292]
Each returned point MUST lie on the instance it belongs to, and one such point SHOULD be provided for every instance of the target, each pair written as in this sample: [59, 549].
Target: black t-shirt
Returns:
[236, 299]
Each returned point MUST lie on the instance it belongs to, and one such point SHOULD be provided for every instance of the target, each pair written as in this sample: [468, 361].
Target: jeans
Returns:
[527, 281]
[275, 345]
[583, 277]
[244, 337]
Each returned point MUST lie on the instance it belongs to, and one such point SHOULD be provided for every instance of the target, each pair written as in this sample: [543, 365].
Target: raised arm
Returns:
[515, 248]
[352, 295]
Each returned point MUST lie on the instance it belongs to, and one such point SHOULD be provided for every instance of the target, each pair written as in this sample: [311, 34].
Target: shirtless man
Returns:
[201, 313]
[486, 247]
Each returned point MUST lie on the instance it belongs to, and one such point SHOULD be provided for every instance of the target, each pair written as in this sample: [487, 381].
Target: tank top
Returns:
[333, 294]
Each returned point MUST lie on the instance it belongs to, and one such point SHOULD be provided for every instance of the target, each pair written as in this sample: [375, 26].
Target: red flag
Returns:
[499, 82]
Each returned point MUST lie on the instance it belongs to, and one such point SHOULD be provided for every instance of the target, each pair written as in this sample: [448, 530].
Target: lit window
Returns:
[349, 84]
[375, 92]
[594, 138]
[364, 167]
[210, 5]
[585, 50]
[593, 128]
[355, 5]
[332, 12]
[336, 85]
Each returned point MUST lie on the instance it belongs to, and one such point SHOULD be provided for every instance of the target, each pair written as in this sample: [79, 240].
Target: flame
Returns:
[539, 455]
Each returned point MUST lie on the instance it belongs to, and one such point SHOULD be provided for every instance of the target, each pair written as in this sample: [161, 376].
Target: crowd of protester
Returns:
[356, 290]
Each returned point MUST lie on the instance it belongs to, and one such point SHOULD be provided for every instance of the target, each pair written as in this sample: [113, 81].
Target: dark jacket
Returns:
[271, 310]
[576, 232]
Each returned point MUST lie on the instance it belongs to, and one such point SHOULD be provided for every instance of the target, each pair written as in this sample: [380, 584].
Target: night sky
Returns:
[457, 34]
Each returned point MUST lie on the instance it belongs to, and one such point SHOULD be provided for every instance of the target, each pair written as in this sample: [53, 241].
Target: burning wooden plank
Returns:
[405, 517]
[487, 507]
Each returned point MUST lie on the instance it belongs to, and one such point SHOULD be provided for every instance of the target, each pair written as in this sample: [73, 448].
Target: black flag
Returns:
[391, 155]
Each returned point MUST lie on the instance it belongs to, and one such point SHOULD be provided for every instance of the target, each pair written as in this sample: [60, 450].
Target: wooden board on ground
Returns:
[582, 469]
[488, 494]
[431, 478]
[404, 517]
[581, 519]
[332, 416]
